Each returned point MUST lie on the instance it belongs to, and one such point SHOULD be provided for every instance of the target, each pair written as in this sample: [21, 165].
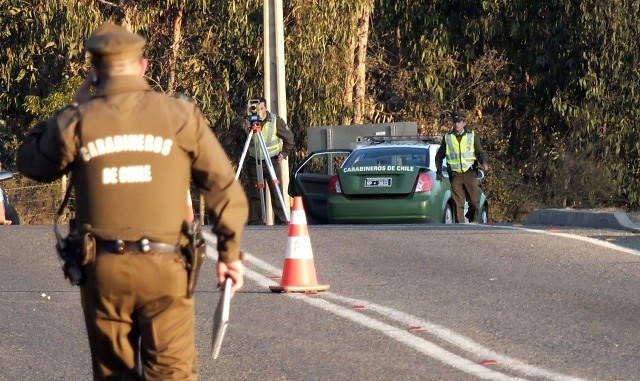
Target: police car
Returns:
[388, 179]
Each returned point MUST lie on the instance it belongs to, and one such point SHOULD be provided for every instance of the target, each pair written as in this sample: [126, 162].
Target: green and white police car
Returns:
[388, 180]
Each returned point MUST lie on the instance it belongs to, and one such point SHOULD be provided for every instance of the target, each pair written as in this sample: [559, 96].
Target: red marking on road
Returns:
[359, 307]
[415, 328]
[553, 229]
[311, 293]
[275, 277]
[488, 362]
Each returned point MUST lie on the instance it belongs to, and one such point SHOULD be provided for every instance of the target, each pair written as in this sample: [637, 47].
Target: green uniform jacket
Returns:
[133, 152]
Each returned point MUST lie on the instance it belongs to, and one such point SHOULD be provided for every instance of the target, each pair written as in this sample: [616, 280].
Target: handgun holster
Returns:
[194, 252]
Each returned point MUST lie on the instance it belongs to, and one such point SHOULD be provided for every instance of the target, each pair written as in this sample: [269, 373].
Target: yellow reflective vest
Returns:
[270, 136]
[460, 154]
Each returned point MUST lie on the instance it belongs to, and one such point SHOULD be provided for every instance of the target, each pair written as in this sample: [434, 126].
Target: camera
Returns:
[253, 116]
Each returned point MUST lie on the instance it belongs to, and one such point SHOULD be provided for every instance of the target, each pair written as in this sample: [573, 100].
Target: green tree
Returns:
[552, 86]
[41, 46]
[608, 94]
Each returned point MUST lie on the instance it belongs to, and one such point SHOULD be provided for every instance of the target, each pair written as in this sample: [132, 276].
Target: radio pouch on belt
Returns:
[194, 253]
[75, 250]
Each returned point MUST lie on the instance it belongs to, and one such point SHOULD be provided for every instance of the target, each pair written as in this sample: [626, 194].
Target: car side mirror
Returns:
[5, 175]
[479, 174]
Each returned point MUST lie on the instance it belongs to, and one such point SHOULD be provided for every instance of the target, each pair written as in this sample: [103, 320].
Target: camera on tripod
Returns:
[253, 113]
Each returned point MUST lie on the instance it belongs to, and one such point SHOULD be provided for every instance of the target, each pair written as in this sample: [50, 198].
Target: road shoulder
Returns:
[618, 220]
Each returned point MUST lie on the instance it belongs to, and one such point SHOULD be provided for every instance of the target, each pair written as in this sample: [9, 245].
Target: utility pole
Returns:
[274, 82]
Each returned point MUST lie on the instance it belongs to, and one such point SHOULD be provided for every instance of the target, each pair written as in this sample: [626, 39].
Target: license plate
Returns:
[377, 182]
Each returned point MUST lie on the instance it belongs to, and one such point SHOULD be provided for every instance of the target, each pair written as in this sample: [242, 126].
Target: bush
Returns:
[36, 203]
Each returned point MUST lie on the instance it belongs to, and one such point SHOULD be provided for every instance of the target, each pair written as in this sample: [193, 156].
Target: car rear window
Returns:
[319, 163]
[389, 156]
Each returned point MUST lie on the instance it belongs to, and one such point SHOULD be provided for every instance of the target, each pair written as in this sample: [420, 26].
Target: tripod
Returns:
[260, 146]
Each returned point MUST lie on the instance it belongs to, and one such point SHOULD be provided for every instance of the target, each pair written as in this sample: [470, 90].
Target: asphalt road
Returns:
[409, 302]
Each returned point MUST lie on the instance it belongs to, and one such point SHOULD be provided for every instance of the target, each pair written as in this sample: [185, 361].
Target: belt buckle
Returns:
[143, 245]
[120, 246]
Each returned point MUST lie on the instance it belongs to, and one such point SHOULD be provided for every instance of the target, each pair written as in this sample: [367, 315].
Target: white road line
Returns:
[594, 241]
[455, 339]
[402, 335]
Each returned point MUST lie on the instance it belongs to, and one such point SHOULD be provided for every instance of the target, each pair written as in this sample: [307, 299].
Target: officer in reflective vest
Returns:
[463, 151]
[279, 141]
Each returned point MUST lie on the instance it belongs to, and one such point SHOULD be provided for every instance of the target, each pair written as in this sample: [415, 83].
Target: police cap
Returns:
[112, 43]
[458, 116]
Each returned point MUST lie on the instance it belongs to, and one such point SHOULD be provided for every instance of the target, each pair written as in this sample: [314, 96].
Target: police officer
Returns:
[132, 152]
[463, 150]
[279, 141]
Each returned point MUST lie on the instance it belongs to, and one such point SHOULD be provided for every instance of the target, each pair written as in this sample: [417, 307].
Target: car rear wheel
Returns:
[447, 218]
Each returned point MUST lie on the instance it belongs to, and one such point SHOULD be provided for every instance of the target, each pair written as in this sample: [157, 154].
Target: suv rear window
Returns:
[389, 156]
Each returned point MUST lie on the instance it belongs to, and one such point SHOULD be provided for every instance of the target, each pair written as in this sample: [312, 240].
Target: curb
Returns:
[583, 218]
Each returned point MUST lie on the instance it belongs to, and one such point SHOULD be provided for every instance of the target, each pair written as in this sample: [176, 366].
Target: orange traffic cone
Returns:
[298, 271]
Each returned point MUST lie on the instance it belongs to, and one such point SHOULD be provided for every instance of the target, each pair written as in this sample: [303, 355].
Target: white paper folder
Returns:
[221, 319]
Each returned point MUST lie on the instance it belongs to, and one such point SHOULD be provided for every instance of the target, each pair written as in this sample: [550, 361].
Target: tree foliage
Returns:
[551, 86]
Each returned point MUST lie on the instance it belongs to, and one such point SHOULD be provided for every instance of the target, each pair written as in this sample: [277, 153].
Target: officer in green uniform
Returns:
[133, 152]
[463, 151]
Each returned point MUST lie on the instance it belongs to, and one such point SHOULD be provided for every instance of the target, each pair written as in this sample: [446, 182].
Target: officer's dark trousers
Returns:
[134, 295]
[255, 206]
[462, 184]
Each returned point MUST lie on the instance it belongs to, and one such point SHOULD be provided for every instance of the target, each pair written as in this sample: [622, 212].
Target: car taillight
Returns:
[334, 184]
[424, 183]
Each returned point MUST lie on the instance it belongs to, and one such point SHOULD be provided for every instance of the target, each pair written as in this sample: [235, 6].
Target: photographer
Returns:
[279, 141]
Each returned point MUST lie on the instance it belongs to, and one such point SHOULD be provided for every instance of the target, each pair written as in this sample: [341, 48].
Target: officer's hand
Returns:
[233, 270]
[83, 93]
[439, 176]
[485, 167]
[280, 158]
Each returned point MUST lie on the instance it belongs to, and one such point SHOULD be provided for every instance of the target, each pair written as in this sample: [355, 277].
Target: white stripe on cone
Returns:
[298, 217]
[299, 248]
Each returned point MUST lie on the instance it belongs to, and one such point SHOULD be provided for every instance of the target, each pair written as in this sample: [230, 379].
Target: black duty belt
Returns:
[142, 246]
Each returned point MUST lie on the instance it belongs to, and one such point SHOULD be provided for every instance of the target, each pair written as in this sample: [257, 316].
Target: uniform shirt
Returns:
[272, 143]
[442, 150]
[282, 131]
[133, 152]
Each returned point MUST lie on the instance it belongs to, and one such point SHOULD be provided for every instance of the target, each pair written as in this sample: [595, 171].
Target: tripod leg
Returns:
[272, 175]
[258, 144]
[244, 153]
[261, 186]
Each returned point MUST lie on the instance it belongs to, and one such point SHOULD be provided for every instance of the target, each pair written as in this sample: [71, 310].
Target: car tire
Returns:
[448, 218]
[11, 214]
[484, 216]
